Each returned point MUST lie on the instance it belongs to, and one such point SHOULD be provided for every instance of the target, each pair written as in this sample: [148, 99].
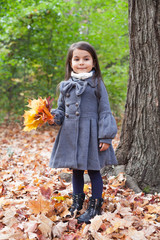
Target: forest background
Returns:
[35, 37]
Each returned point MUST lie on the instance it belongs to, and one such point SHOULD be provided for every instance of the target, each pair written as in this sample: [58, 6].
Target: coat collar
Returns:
[82, 76]
[91, 81]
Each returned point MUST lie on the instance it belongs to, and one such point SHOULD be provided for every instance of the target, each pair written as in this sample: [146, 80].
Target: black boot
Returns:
[93, 210]
[77, 204]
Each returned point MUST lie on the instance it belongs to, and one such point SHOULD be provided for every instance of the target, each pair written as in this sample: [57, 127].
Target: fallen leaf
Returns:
[34, 200]
[45, 226]
[46, 192]
[113, 228]
[86, 188]
[153, 209]
[39, 206]
[134, 234]
[72, 224]
[30, 227]
[71, 236]
[118, 181]
[9, 217]
[59, 229]
[58, 198]
[7, 233]
[96, 222]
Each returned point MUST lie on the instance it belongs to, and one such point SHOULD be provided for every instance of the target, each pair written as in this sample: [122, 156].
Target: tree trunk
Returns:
[139, 148]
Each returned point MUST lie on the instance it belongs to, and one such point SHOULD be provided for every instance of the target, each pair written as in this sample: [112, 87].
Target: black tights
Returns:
[96, 182]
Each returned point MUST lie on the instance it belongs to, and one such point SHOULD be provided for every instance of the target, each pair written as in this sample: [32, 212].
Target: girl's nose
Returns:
[81, 61]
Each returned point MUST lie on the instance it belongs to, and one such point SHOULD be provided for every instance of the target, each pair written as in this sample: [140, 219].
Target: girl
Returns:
[84, 141]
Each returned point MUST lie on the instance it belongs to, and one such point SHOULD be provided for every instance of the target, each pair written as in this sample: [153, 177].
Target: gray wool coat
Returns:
[86, 120]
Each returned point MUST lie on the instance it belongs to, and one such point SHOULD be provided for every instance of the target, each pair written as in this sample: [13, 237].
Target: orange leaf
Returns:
[39, 206]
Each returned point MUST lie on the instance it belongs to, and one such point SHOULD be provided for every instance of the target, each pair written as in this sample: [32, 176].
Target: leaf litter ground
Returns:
[34, 200]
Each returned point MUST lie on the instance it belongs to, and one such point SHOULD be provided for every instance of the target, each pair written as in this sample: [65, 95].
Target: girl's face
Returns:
[82, 61]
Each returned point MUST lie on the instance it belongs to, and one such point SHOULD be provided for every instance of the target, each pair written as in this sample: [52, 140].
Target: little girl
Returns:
[84, 141]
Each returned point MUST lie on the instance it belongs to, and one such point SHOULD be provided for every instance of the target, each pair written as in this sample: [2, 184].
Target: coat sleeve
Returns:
[59, 112]
[107, 127]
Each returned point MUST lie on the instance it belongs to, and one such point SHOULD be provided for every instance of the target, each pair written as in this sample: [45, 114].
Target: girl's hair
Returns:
[87, 47]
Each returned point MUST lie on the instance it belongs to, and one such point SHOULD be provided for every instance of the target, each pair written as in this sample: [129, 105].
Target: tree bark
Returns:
[139, 147]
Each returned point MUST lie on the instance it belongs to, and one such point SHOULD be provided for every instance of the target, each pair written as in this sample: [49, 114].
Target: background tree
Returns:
[35, 36]
[139, 148]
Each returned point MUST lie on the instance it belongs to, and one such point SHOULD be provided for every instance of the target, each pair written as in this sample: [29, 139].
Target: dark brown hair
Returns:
[87, 47]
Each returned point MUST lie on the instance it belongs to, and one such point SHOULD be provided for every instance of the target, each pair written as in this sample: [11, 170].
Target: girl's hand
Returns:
[103, 146]
[51, 121]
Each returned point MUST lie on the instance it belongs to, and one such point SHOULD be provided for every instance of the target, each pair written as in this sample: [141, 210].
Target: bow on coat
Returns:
[80, 86]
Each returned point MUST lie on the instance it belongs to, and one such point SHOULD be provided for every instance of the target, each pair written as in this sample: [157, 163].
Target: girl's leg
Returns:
[97, 183]
[78, 181]
[96, 201]
[78, 194]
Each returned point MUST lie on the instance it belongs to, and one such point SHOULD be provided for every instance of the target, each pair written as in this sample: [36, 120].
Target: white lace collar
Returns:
[82, 76]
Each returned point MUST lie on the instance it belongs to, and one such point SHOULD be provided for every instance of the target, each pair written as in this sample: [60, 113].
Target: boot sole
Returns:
[87, 222]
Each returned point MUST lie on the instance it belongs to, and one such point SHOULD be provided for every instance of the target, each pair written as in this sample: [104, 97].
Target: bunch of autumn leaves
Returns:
[38, 114]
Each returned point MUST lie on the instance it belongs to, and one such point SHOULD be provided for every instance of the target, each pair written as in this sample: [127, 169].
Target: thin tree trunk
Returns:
[139, 147]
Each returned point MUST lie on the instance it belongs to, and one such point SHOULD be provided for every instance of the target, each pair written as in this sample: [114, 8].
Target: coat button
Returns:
[67, 115]
[67, 94]
[77, 104]
[77, 113]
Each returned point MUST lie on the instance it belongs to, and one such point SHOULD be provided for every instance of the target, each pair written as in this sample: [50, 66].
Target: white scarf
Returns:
[82, 76]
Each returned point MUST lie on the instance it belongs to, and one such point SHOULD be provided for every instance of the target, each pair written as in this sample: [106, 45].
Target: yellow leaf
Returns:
[36, 103]
[33, 125]
[38, 114]
[59, 198]
[20, 187]
[86, 188]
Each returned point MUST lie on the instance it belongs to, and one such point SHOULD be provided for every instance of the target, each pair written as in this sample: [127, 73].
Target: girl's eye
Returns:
[86, 59]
